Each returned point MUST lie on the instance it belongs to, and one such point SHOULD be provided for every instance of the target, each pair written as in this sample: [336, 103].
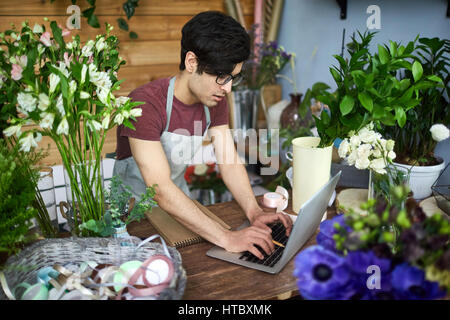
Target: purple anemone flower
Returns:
[321, 274]
[327, 230]
[410, 284]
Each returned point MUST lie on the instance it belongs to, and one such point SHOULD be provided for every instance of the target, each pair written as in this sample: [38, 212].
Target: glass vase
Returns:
[84, 190]
[46, 203]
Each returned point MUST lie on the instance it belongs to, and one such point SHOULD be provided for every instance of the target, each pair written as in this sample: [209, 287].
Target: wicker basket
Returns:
[24, 266]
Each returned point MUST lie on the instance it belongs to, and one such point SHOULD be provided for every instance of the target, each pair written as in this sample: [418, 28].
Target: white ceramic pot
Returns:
[311, 169]
[421, 178]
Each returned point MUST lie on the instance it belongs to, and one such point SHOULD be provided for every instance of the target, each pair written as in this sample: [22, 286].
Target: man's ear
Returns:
[191, 62]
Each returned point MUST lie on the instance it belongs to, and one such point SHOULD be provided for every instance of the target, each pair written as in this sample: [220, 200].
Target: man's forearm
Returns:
[171, 199]
[236, 179]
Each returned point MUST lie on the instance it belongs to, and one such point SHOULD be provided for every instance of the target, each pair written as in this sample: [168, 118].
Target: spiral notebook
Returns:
[173, 232]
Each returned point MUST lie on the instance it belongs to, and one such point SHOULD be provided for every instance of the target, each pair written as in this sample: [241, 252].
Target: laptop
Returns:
[306, 224]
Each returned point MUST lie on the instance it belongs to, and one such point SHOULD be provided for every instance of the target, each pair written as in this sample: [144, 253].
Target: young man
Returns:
[177, 114]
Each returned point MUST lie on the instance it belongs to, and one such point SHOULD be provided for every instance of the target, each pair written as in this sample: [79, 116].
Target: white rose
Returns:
[351, 159]
[200, 169]
[390, 145]
[47, 120]
[391, 155]
[343, 148]
[355, 141]
[27, 102]
[364, 151]
[54, 80]
[378, 165]
[362, 163]
[439, 132]
[63, 127]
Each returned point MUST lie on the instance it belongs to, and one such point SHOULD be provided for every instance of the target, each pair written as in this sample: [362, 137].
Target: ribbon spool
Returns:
[278, 199]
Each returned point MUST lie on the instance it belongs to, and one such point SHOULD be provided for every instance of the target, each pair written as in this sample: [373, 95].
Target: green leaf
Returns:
[383, 54]
[336, 75]
[122, 24]
[417, 71]
[346, 105]
[366, 101]
[133, 35]
[57, 34]
[400, 116]
[434, 78]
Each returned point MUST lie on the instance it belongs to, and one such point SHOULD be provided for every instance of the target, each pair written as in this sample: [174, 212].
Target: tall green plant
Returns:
[414, 142]
[17, 194]
[368, 88]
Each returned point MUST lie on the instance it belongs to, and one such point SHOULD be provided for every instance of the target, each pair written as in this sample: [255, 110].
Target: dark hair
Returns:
[218, 41]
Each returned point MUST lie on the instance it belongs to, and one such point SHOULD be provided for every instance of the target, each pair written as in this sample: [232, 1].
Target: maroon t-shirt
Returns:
[152, 123]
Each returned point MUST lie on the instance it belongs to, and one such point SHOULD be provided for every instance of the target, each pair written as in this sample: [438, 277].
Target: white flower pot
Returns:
[422, 178]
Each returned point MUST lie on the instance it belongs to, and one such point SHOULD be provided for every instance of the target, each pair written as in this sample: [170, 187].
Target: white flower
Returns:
[62, 68]
[355, 141]
[120, 101]
[84, 95]
[343, 148]
[391, 155]
[40, 48]
[351, 159]
[136, 112]
[390, 145]
[118, 119]
[47, 120]
[378, 165]
[362, 163]
[101, 44]
[72, 87]
[439, 132]
[105, 121]
[54, 80]
[38, 28]
[28, 142]
[27, 102]
[13, 130]
[22, 61]
[94, 125]
[44, 101]
[364, 151]
[63, 127]
[86, 51]
[200, 169]
[103, 95]
[60, 105]
[83, 73]
[71, 45]
[368, 136]
[100, 79]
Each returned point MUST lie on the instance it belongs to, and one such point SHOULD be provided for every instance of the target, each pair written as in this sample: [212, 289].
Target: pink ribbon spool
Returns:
[151, 289]
[278, 199]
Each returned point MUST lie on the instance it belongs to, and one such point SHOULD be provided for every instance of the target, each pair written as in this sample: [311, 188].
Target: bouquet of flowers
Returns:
[65, 89]
[366, 149]
[204, 176]
[363, 257]
[262, 71]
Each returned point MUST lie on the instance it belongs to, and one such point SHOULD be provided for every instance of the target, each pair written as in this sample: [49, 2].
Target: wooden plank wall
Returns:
[154, 54]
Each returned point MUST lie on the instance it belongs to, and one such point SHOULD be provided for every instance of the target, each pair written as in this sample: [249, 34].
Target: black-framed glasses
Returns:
[223, 79]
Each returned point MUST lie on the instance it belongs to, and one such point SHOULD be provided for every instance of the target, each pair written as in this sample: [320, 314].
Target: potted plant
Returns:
[65, 89]
[120, 210]
[368, 89]
[416, 140]
[362, 257]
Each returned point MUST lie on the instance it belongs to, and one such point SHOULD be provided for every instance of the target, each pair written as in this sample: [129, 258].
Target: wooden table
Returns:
[210, 278]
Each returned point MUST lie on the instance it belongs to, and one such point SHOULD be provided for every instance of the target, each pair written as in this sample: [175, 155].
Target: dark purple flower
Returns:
[321, 274]
[410, 283]
[359, 261]
[327, 230]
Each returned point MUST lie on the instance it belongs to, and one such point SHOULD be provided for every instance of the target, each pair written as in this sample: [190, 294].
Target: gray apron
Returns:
[179, 150]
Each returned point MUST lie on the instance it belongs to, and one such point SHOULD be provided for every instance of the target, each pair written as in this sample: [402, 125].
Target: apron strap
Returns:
[169, 101]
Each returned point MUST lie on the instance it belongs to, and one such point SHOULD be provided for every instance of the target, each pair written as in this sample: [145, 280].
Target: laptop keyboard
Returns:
[278, 234]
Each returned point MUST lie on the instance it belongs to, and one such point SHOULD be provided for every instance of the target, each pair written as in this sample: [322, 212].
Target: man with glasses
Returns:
[177, 115]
